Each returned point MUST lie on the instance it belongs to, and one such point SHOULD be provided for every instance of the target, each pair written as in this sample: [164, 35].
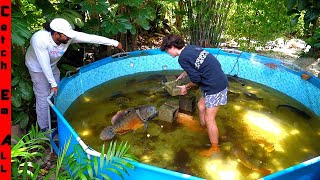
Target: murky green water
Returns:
[256, 134]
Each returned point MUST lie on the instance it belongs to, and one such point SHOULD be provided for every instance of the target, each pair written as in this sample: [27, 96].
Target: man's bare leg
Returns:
[202, 111]
[213, 132]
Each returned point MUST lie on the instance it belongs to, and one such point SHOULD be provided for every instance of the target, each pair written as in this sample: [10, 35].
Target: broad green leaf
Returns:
[125, 163]
[16, 98]
[105, 176]
[36, 172]
[26, 90]
[102, 157]
[89, 168]
[19, 31]
[22, 116]
[17, 39]
[15, 80]
[133, 30]
[120, 167]
[25, 170]
[95, 165]
[143, 23]
[122, 20]
[82, 176]
[24, 121]
[14, 170]
[317, 45]
[126, 25]
[302, 4]
[115, 171]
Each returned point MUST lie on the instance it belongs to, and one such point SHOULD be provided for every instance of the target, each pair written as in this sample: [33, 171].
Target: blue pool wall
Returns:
[246, 65]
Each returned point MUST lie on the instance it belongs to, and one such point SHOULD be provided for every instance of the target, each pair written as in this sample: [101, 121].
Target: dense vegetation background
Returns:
[140, 24]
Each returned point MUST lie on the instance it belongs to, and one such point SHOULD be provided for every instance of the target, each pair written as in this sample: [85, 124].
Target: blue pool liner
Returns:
[285, 77]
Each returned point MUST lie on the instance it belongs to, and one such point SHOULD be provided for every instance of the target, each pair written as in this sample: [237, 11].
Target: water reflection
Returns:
[266, 124]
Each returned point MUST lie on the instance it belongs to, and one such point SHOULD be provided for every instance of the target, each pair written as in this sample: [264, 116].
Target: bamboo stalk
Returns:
[206, 20]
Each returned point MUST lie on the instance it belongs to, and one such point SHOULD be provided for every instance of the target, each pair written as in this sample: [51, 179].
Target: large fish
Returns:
[129, 120]
[239, 152]
[294, 110]
[189, 122]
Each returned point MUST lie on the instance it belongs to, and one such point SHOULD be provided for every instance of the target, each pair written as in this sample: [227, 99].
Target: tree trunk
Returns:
[179, 16]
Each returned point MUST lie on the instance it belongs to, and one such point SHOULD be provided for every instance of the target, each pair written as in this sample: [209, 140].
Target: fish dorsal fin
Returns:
[120, 115]
[117, 116]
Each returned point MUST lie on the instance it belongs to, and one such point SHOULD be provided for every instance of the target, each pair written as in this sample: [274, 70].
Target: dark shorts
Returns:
[214, 100]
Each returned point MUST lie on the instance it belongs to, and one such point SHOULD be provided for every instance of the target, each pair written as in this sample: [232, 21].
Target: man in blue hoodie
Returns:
[204, 70]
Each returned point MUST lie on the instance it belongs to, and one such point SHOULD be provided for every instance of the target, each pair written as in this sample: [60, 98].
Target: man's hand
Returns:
[120, 47]
[182, 75]
[184, 89]
[55, 90]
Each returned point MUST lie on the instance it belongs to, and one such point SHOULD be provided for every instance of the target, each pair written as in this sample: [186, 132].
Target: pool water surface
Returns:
[261, 130]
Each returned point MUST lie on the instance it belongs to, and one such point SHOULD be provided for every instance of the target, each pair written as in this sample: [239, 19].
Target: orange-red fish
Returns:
[239, 152]
[188, 121]
[129, 120]
[271, 65]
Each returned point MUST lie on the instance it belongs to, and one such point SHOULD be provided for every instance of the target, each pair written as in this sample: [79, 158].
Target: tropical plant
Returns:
[314, 40]
[124, 18]
[25, 153]
[115, 161]
[253, 23]
[30, 149]
[21, 85]
[22, 93]
[310, 10]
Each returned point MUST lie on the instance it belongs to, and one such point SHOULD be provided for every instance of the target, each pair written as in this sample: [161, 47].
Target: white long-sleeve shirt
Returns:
[43, 53]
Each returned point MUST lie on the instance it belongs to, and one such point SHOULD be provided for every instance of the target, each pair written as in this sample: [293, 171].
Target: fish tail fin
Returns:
[107, 133]
[264, 171]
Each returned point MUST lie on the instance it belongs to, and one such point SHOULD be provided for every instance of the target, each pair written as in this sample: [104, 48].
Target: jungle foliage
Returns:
[29, 151]
[310, 11]
[253, 23]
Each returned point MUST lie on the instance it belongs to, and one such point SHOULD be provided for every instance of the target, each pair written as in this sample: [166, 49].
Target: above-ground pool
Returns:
[278, 75]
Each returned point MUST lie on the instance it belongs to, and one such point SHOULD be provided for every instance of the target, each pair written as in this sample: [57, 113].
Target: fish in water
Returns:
[271, 65]
[252, 96]
[295, 110]
[182, 160]
[129, 120]
[239, 152]
[188, 121]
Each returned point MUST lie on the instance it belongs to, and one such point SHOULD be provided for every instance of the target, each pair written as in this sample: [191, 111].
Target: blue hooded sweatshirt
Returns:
[203, 68]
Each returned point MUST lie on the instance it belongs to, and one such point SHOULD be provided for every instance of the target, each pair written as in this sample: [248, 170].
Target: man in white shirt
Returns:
[45, 50]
